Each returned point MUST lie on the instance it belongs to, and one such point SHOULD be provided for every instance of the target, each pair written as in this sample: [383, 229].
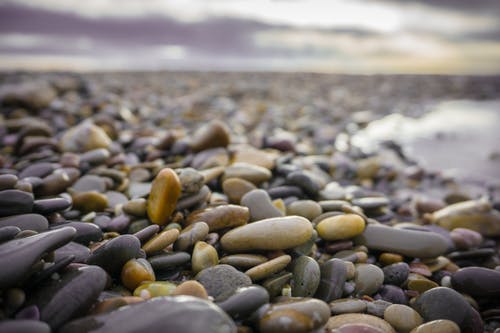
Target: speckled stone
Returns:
[161, 241]
[306, 276]
[249, 172]
[396, 274]
[269, 234]
[34, 222]
[221, 281]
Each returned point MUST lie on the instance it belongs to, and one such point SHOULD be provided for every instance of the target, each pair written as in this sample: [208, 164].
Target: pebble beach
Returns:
[239, 202]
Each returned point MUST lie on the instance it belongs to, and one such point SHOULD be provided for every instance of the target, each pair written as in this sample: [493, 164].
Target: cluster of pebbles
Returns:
[124, 207]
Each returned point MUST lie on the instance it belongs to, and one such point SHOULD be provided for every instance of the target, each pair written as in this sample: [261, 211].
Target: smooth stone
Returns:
[7, 233]
[306, 276]
[95, 156]
[437, 326]
[17, 256]
[285, 321]
[244, 301]
[260, 205]
[388, 258]
[443, 303]
[377, 307]
[268, 268]
[370, 203]
[270, 234]
[305, 180]
[236, 188]
[347, 305]
[204, 256]
[274, 285]
[419, 283]
[147, 232]
[34, 222]
[7, 181]
[89, 201]
[212, 135]
[23, 326]
[315, 309]
[194, 200]
[332, 279]
[57, 182]
[368, 279]
[39, 169]
[49, 206]
[221, 281]
[86, 233]
[465, 239]
[402, 317]
[220, 217]
[305, 208]
[243, 261]
[190, 235]
[340, 227]
[70, 296]
[477, 281]
[136, 207]
[191, 180]
[476, 215]
[80, 252]
[357, 328]
[14, 202]
[113, 254]
[160, 314]
[169, 260]
[396, 274]
[135, 272]
[411, 243]
[249, 172]
[191, 288]
[285, 191]
[84, 137]
[149, 290]
[160, 241]
[115, 199]
[165, 191]
[114, 303]
[212, 161]
[393, 294]
[248, 154]
[138, 190]
[358, 318]
[89, 183]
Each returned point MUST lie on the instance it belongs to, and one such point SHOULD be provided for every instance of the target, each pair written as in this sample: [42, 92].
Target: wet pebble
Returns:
[113, 254]
[260, 205]
[220, 217]
[221, 281]
[306, 276]
[165, 191]
[13, 202]
[268, 268]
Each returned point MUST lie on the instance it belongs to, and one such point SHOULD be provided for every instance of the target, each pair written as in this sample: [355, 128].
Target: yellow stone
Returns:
[236, 188]
[191, 288]
[388, 258]
[136, 271]
[155, 289]
[91, 201]
[268, 268]
[340, 227]
[161, 241]
[204, 256]
[165, 191]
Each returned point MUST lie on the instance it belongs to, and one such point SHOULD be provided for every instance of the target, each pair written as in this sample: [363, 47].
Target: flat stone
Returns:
[23, 326]
[85, 232]
[285, 321]
[243, 261]
[306, 208]
[17, 256]
[165, 191]
[52, 205]
[477, 281]
[412, 243]
[13, 202]
[249, 172]
[160, 314]
[34, 222]
[90, 183]
[274, 285]
[8, 232]
[268, 268]
[269, 234]
[90, 201]
[161, 241]
[221, 281]
[393, 294]
[347, 305]
[260, 205]
[220, 217]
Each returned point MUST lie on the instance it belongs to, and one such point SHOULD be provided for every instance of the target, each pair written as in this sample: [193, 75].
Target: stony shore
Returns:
[224, 202]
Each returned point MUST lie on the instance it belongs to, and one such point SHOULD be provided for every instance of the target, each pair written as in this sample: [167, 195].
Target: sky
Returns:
[338, 36]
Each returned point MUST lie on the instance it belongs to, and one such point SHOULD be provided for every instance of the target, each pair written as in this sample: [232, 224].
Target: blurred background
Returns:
[340, 36]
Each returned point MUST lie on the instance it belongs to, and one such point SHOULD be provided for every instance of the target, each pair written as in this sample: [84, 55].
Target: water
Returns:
[460, 138]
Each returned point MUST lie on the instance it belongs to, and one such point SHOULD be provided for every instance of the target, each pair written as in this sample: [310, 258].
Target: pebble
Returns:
[169, 260]
[477, 281]
[306, 276]
[165, 191]
[34, 222]
[191, 180]
[190, 235]
[8, 181]
[7, 233]
[340, 227]
[306, 208]
[368, 279]
[13, 202]
[437, 326]
[204, 256]
[243, 261]
[285, 321]
[270, 234]
[220, 217]
[135, 272]
[90, 201]
[244, 301]
[174, 314]
[332, 279]
[89, 183]
[57, 182]
[84, 137]
[86, 233]
[396, 273]
[249, 172]
[236, 188]
[402, 318]
[149, 290]
[49, 206]
[411, 243]
[160, 241]
[268, 268]
[393, 294]
[221, 281]
[17, 256]
[24, 326]
[358, 318]
[113, 254]
[275, 284]
[465, 239]
[347, 305]
[191, 288]
[212, 135]
[260, 205]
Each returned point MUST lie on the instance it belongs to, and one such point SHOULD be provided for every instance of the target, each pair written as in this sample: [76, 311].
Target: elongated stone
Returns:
[24, 326]
[412, 243]
[243, 260]
[306, 276]
[249, 172]
[165, 191]
[477, 281]
[72, 295]
[13, 202]
[332, 279]
[18, 255]
[244, 301]
[340, 227]
[220, 217]
[160, 314]
[85, 232]
[113, 254]
[34, 222]
[161, 241]
[358, 318]
[268, 268]
[269, 234]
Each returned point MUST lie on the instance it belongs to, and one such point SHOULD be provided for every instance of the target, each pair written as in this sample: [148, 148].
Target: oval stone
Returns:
[191, 288]
[204, 256]
[285, 321]
[402, 317]
[190, 235]
[260, 205]
[161, 241]
[411, 243]
[315, 309]
[136, 271]
[236, 188]
[13, 202]
[249, 172]
[268, 268]
[358, 318]
[113, 254]
[243, 260]
[220, 217]
[368, 279]
[34, 222]
[221, 281]
[212, 135]
[270, 234]
[333, 277]
[477, 281]
[165, 191]
[244, 301]
[437, 326]
[340, 227]
[306, 276]
[24, 326]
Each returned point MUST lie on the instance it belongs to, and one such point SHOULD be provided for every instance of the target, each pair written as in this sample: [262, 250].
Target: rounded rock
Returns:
[220, 217]
[268, 268]
[437, 326]
[306, 276]
[477, 281]
[204, 256]
[136, 271]
[368, 279]
[221, 281]
[191, 288]
[340, 227]
[236, 188]
[161, 241]
[402, 317]
[260, 205]
[190, 235]
[165, 191]
[358, 318]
